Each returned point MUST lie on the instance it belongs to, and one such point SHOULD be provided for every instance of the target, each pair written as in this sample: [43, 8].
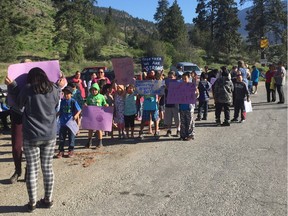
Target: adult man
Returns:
[280, 81]
[222, 91]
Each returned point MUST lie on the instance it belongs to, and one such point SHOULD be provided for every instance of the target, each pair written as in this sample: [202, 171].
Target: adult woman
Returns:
[268, 76]
[100, 76]
[39, 98]
[80, 84]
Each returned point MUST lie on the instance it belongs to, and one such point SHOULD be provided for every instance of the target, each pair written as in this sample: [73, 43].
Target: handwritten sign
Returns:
[73, 126]
[150, 87]
[97, 118]
[124, 70]
[18, 72]
[212, 80]
[181, 93]
[152, 63]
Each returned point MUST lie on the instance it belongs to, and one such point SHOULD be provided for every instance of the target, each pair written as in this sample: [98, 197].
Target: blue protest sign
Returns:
[150, 87]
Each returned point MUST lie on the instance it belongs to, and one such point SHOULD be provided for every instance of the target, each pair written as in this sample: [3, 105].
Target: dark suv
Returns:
[86, 73]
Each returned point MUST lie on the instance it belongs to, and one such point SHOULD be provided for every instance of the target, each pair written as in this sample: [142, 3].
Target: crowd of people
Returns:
[39, 108]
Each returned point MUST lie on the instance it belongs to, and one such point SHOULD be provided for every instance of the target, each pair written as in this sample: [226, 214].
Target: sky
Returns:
[145, 9]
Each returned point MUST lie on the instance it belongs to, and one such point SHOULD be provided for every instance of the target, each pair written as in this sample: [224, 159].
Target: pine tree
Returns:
[226, 36]
[161, 10]
[201, 20]
[174, 29]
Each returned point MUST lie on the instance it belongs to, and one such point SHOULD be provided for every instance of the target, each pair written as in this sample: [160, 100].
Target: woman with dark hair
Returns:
[39, 97]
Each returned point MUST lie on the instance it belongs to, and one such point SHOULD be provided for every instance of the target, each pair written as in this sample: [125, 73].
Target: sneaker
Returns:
[234, 120]
[218, 122]
[43, 203]
[168, 134]
[190, 137]
[30, 207]
[198, 119]
[177, 133]
[14, 178]
[204, 118]
[242, 120]
[70, 154]
[60, 154]
[225, 123]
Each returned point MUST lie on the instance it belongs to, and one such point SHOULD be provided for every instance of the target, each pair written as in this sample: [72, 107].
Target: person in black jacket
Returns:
[240, 93]
[222, 92]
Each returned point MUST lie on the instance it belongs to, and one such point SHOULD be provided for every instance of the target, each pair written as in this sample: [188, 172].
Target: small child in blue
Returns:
[69, 108]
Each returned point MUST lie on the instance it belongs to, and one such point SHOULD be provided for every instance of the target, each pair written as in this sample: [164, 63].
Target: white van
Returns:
[189, 67]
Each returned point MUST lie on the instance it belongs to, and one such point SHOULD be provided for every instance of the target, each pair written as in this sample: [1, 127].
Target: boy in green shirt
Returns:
[95, 99]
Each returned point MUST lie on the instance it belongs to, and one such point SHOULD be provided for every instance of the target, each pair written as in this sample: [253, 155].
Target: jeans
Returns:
[203, 105]
[64, 131]
[281, 93]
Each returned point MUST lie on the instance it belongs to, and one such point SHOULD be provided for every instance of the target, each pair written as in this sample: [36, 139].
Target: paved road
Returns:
[237, 170]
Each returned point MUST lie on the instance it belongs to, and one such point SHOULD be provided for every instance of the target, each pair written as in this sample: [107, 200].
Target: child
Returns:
[107, 92]
[186, 115]
[69, 108]
[171, 110]
[203, 87]
[130, 110]
[240, 92]
[119, 110]
[95, 99]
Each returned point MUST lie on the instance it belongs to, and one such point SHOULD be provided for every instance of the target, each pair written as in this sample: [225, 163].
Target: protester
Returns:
[109, 97]
[171, 110]
[119, 110]
[101, 76]
[222, 92]
[203, 88]
[255, 78]
[69, 109]
[81, 85]
[89, 84]
[39, 99]
[187, 131]
[270, 88]
[243, 71]
[279, 77]
[240, 93]
[130, 110]
[95, 99]
[16, 135]
[4, 113]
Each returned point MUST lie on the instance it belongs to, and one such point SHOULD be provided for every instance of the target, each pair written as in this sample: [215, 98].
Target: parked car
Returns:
[189, 67]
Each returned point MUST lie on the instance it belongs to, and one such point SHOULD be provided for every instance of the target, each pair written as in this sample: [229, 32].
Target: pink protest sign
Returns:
[18, 72]
[124, 70]
[97, 118]
[181, 93]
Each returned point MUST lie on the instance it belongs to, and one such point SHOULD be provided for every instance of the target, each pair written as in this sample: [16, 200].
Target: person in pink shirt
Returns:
[101, 75]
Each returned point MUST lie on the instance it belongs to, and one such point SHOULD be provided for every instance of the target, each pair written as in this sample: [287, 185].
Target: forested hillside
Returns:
[79, 33]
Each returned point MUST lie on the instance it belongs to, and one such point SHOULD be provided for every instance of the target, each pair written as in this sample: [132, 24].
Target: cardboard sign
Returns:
[152, 63]
[124, 70]
[181, 93]
[97, 118]
[18, 72]
[150, 87]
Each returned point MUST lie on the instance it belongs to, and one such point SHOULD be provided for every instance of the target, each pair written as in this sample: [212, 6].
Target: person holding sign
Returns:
[39, 98]
[69, 110]
[95, 99]
[186, 114]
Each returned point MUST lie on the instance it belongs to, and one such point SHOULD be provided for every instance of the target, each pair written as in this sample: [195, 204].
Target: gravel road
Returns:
[237, 170]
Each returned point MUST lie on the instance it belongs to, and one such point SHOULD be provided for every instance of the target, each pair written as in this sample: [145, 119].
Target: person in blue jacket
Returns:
[255, 79]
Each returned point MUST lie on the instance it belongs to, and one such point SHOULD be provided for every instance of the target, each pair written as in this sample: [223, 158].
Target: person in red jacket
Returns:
[80, 84]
